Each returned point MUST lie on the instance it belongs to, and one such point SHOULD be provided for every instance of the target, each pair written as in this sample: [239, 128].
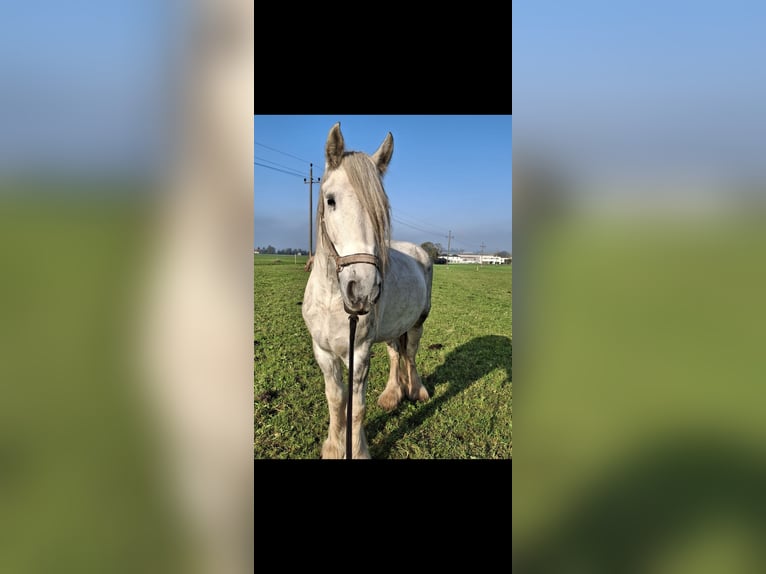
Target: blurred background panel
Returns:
[639, 191]
[125, 178]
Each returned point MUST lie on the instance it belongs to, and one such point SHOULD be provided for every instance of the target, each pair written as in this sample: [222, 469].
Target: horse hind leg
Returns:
[413, 385]
[393, 393]
[403, 375]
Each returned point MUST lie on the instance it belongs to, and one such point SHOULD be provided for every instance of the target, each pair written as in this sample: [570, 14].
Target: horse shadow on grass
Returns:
[462, 368]
[688, 495]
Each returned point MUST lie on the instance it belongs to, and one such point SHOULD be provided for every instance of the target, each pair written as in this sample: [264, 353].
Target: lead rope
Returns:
[352, 319]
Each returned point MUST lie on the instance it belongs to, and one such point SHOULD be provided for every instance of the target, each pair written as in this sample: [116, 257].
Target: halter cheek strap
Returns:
[346, 260]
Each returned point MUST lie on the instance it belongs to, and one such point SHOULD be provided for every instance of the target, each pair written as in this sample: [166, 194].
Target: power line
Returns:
[278, 164]
[469, 241]
[277, 169]
[415, 227]
[420, 222]
[420, 226]
[461, 246]
[282, 152]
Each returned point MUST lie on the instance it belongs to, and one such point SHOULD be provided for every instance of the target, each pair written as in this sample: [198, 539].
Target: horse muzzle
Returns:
[360, 289]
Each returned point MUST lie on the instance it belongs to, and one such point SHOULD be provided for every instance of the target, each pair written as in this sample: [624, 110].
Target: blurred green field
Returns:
[465, 361]
[643, 371]
[78, 484]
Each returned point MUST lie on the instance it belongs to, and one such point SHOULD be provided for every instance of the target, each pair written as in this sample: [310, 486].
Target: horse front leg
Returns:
[359, 446]
[334, 446]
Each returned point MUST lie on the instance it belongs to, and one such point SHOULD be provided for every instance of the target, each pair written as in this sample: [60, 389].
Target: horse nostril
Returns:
[350, 288]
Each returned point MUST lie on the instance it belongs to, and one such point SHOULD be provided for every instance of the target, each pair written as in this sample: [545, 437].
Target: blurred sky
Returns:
[642, 92]
[447, 173]
[86, 86]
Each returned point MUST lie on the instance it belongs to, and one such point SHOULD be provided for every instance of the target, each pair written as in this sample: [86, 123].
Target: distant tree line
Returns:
[271, 250]
[435, 250]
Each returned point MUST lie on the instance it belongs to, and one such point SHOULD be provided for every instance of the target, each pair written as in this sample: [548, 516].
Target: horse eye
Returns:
[331, 201]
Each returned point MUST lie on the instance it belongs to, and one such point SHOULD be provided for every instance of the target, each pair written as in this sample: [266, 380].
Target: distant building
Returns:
[478, 258]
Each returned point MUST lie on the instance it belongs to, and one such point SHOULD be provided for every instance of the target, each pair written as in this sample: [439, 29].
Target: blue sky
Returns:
[448, 173]
[86, 86]
[642, 90]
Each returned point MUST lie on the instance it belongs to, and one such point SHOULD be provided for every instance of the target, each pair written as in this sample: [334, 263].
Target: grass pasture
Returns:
[465, 361]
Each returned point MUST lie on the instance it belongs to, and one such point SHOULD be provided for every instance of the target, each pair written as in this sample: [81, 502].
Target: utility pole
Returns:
[482, 252]
[449, 241]
[311, 183]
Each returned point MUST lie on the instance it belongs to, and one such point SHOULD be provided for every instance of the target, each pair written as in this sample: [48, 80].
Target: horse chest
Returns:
[329, 327]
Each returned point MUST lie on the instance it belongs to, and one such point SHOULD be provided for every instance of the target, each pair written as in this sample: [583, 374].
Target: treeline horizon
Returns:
[271, 250]
[433, 249]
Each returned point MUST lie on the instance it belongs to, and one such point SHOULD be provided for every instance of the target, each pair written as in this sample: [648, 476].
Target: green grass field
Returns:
[643, 370]
[465, 361]
[77, 479]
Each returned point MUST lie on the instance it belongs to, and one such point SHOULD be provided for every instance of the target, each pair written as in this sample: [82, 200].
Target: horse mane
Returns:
[366, 181]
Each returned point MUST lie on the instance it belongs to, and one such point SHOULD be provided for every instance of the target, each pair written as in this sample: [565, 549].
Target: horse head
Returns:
[354, 219]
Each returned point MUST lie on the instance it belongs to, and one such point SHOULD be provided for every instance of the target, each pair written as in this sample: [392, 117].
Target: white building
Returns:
[477, 258]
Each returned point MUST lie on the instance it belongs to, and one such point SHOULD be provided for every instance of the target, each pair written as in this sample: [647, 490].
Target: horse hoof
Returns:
[420, 394]
[388, 400]
[331, 451]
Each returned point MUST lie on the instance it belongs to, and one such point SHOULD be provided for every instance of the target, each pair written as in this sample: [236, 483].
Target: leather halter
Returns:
[346, 260]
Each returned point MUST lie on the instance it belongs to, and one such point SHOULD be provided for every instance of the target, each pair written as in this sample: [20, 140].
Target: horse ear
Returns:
[383, 155]
[334, 147]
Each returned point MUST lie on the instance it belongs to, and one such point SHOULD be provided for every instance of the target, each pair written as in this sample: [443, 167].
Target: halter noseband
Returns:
[346, 260]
